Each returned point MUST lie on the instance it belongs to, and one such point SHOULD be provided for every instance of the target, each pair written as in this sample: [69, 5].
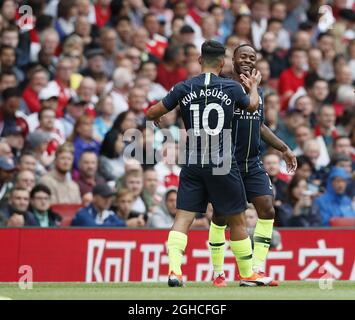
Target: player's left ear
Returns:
[200, 60]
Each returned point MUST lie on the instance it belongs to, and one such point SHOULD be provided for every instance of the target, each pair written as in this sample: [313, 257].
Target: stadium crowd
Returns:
[77, 74]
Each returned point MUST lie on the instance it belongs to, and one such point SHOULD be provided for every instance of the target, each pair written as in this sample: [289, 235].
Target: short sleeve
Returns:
[171, 100]
[242, 99]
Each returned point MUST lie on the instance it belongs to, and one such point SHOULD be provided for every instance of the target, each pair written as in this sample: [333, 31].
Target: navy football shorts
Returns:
[256, 182]
[198, 186]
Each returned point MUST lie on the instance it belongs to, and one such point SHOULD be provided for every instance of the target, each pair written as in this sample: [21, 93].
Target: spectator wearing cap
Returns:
[73, 111]
[171, 70]
[48, 98]
[88, 176]
[59, 181]
[16, 210]
[39, 78]
[334, 202]
[40, 201]
[10, 117]
[98, 213]
[83, 138]
[7, 170]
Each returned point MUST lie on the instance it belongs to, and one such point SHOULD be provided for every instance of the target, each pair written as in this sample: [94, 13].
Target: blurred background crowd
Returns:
[76, 74]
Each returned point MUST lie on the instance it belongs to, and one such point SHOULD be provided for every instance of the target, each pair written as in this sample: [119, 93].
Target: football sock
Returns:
[262, 239]
[177, 242]
[243, 253]
[216, 240]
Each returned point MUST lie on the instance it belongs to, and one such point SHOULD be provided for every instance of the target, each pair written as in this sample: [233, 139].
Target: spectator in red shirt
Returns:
[156, 43]
[38, 81]
[293, 77]
[199, 10]
[102, 12]
[171, 70]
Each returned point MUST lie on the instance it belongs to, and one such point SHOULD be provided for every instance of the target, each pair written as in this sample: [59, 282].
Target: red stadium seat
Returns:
[66, 211]
[342, 222]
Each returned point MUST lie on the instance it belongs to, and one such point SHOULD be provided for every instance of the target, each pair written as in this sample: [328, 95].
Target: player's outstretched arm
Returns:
[156, 111]
[270, 138]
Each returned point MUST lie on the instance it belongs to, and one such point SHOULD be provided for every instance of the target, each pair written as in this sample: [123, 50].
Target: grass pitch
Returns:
[288, 290]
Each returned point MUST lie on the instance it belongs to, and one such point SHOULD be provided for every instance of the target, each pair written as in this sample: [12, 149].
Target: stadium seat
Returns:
[66, 211]
[342, 222]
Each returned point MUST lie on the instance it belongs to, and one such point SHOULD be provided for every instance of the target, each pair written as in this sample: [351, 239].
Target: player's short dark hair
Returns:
[40, 188]
[242, 46]
[212, 48]
[212, 51]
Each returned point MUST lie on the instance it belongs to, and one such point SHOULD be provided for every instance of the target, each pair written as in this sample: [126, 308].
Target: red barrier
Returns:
[102, 255]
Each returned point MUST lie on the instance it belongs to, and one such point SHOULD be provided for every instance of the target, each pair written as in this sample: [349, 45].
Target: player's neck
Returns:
[210, 70]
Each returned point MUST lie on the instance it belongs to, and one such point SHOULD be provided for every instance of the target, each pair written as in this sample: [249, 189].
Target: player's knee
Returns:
[219, 221]
[267, 213]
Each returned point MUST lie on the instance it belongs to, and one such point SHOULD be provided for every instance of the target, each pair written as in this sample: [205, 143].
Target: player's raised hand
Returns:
[290, 159]
[253, 78]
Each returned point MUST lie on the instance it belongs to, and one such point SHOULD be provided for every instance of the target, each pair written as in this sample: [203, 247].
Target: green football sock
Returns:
[217, 239]
[243, 253]
[177, 242]
[262, 240]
